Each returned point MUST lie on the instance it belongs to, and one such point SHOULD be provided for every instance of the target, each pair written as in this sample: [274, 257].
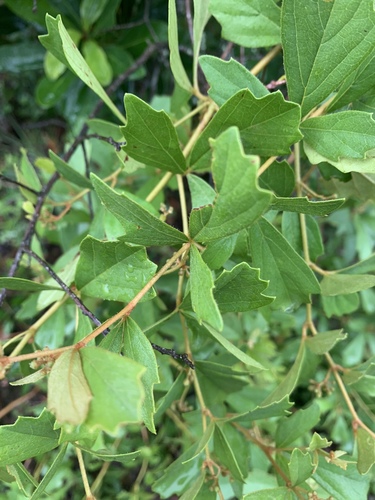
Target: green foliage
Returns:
[229, 280]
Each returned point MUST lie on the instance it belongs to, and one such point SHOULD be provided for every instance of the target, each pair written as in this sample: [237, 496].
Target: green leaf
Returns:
[228, 77]
[173, 394]
[116, 387]
[274, 409]
[142, 227]
[203, 442]
[68, 172]
[355, 85]
[220, 379]
[201, 192]
[32, 378]
[291, 280]
[201, 16]
[324, 342]
[62, 46]
[138, 347]
[254, 23]
[286, 387]
[50, 474]
[24, 285]
[179, 475]
[225, 454]
[237, 204]
[27, 438]
[113, 270]
[268, 126]
[217, 252]
[107, 456]
[318, 443]
[342, 284]
[366, 451]
[177, 67]
[295, 426]
[69, 395]
[24, 479]
[98, 62]
[201, 287]
[240, 289]
[195, 488]
[151, 137]
[253, 366]
[91, 11]
[305, 206]
[279, 178]
[340, 304]
[316, 32]
[281, 493]
[114, 341]
[27, 175]
[363, 267]
[300, 467]
[341, 484]
[291, 229]
[349, 134]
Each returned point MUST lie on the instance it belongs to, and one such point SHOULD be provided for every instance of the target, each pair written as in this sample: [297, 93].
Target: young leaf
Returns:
[300, 467]
[240, 289]
[201, 192]
[116, 387]
[280, 493]
[268, 126]
[68, 172]
[62, 46]
[286, 387]
[305, 206]
[340, 284]
[228, 77]
[138, 347]
[201, 286]
[291, 280]
[27, 438]
[295, 426]
[255, 23]
[27, 175]
[323, 41]
[151, 137]
[142, 227]
[349, 134]
[237, 204]
[69, 395]
[24, 285]
[324, 342]
[318, 443]
[366, 451]
[113, 270]
[177, 67]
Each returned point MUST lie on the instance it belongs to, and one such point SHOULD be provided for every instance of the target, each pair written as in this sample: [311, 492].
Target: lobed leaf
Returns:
[141, 226]
[151, 137]
[113, 270]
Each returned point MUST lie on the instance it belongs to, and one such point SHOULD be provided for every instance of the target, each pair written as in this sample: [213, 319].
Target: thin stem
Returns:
[65, 287]
[17, 183]
[30, 332]
[159, 186]
[184, 215]
[265, 165]
[89, 495]
[192, 113]
[302, 218]
[265, 60]
[197, 132]
[17, 402]
[346, 397]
